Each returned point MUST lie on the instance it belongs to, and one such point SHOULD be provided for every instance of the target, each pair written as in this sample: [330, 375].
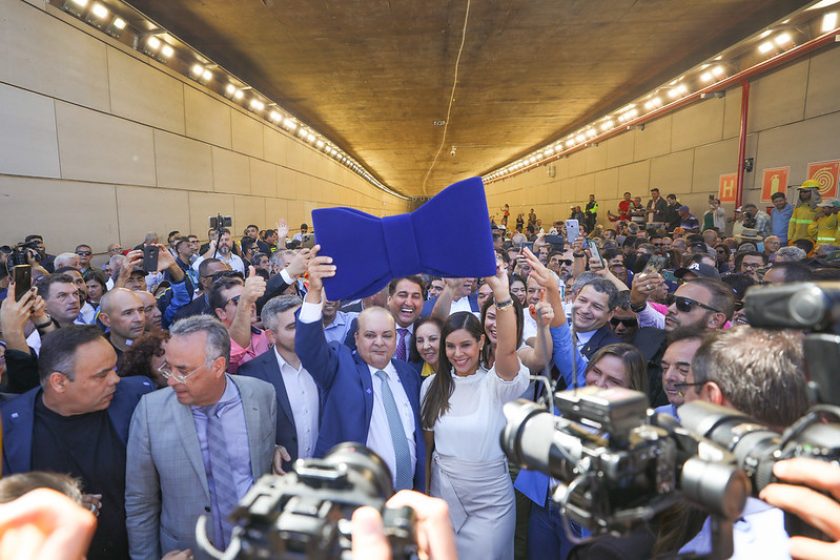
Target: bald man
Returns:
[370, 397]
[123, 313]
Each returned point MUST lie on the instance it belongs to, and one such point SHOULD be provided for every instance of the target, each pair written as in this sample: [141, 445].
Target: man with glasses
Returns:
[208, 271]
[560, 263]
[196, 447]
[85, 255]
[703, 302]
[76, 423]
[748, 262]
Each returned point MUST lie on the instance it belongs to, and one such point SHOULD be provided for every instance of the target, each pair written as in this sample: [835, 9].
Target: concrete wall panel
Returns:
[28, 138]
[247, 135]
[672, 173]
[207, 119]
[182, 163]
[231, 172]
[142, 210]
[698, 124]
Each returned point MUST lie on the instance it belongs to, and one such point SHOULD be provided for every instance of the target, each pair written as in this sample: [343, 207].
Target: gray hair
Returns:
[218, 339]
[275, 306]
[65, 259]
[790, 254]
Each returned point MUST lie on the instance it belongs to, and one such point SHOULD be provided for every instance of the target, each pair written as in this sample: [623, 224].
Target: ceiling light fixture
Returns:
[167, 51]
[116, 27]
[75, 7]
[275, 117]
[206, 76]
[197, 70]
[829, 22]
[99, 11]
[783, 39]
[256, 105]
[765, 47]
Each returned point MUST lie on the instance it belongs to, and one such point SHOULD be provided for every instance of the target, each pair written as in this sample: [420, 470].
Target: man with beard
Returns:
[560, 263]
[123, 313]
[221, 250]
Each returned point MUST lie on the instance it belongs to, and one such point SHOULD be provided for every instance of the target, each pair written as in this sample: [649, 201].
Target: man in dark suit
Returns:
[77, 423]
[299, 401]
[370, 398]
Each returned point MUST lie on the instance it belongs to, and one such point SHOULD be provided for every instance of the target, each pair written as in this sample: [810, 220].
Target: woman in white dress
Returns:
[462, 413]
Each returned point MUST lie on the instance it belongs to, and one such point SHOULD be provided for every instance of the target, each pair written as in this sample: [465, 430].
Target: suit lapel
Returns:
[185, 425]
[252, 425]
[367, 388]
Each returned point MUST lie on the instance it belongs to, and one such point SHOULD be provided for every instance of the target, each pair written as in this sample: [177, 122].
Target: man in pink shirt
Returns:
[234, 303]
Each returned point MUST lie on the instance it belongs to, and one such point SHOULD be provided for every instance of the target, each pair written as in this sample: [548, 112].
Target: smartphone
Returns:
[150, 258]
[308, 241]
[219, 221]
[572, 230]
[596, 254]
[669, 277]
[23, 280]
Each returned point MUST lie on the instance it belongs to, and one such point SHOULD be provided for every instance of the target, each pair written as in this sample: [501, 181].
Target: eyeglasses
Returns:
[627, 323]
[566, 262]
[225, 274]
[166, 371]
[234, 299]
[686, 305]
[84, 253]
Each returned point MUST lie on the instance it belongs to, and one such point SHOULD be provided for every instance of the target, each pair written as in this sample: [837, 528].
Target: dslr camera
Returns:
[306, 513]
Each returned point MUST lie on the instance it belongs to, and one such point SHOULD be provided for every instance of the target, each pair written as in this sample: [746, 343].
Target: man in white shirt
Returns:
[224, 254]
[299, 401]
[370, 398]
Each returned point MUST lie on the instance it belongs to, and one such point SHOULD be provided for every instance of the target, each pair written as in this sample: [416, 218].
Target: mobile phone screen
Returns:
[23, 280]
[150, 258]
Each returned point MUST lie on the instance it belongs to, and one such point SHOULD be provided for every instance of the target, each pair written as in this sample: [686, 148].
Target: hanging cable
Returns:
[451, 99]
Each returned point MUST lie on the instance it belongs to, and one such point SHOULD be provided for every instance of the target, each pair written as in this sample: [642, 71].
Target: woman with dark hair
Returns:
[722, 257]
[97, 285]
[425, 344]
[145, 356]
[462, 415]
[518, 289]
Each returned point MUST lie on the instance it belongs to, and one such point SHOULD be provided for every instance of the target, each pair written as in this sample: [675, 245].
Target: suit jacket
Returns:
[266, 368]
[166, 484]
[19, 418]
[346, 380]
[601, 338]
[430, 304]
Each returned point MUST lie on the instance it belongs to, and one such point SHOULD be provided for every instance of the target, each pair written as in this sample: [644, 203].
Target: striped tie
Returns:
[402, 453]
[222, 486]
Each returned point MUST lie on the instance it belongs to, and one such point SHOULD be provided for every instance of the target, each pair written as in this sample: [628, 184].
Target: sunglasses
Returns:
[566, 262]
[686, 305]
[627, 323]
[84, 253]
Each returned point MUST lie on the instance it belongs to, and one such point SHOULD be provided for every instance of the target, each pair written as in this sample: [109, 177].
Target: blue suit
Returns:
[430, 304]
[19, 419]
[346, 380]
[265, 367]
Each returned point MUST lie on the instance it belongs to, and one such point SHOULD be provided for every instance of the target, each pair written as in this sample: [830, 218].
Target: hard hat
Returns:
[809, 184]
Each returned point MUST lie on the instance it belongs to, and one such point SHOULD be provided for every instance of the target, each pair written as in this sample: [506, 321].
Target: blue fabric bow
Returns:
[448, 236]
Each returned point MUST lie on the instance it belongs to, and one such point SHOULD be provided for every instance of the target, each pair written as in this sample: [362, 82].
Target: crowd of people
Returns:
[161, 392]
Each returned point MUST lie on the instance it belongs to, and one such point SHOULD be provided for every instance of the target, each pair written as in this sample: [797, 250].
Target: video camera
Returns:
[618, 464]
[306, 513]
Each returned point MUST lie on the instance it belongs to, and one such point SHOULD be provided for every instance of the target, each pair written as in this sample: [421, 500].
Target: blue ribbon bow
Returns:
[448, 236]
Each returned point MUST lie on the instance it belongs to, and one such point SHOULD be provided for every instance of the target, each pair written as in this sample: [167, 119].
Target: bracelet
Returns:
[45, 325]
[502, 305]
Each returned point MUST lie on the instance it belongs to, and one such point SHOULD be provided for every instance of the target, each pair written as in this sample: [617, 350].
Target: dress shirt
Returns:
[583, 338]
[303, 398]
[238, 355]
[779, 221]
[379, 432]
[232, 260]
[338, 329]
[232, 415]
[87, 315]
[462, 304]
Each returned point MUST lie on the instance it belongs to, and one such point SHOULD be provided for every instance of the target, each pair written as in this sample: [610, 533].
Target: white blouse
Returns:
[470, 429]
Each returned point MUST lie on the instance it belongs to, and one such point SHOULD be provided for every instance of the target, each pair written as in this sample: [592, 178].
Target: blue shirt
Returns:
[338, 329]
[236, 439]
[779, 220]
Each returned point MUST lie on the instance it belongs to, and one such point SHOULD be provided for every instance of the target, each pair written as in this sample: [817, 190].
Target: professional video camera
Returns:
[306, 513]
[618, 464]
[21, 254]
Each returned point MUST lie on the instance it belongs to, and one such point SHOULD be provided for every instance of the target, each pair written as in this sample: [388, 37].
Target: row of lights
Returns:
[707, 74]
[155, 45]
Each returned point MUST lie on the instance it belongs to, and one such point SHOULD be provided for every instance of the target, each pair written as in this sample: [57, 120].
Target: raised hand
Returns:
[499, 282]
[542, 275]
[254, 287]
[319, 268]
[299, 262]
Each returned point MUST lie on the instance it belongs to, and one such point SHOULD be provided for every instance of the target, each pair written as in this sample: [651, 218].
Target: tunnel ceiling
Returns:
[374, 75]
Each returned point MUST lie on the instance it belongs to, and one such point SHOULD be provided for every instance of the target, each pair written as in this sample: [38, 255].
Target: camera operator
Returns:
[759, 373]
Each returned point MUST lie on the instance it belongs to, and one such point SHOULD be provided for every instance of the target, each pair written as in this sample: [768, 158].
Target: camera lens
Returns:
[366, 464]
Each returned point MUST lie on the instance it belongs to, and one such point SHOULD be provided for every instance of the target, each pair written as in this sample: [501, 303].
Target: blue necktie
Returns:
[222, 487]
[402, 453]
